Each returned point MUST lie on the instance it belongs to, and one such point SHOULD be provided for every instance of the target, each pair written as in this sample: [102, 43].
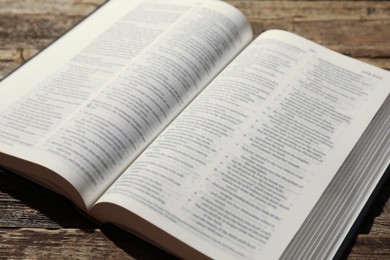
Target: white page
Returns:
[129, 98]
[71, 71]
[237, 173]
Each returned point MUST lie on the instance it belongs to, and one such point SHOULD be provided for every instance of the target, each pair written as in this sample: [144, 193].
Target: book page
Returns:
[236, 174]
[100, 108]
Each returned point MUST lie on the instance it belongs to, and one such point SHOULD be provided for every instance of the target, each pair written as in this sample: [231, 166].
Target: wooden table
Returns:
[39, 224]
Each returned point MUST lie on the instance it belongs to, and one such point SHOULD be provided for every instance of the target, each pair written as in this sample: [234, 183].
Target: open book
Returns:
[167, 119]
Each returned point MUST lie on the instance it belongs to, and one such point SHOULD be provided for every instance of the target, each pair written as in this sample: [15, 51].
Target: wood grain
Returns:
[371, 247]
[35, 243]
[37, 224]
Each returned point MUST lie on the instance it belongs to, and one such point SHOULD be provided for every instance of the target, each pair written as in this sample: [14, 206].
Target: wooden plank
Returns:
[51, 7]
[34, 25]
[368, 247]
[299, 10]
[110, 242]
[33, 31]
[381, 225]
[314, 11]
[75, 244]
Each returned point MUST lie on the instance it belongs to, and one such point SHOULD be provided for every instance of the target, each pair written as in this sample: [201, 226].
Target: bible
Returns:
[167, 119]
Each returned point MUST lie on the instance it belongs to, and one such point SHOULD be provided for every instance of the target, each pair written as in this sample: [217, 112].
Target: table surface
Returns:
[39, 224]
